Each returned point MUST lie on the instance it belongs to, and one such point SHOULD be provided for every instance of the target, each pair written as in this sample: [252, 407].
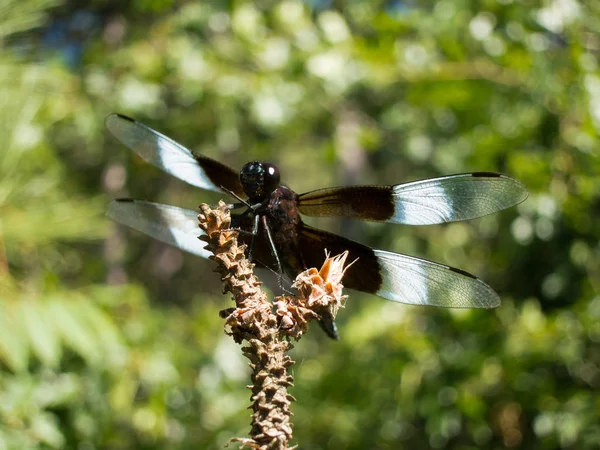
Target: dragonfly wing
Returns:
[424, 202]
[170, 224]
[175, 159]
[398, 277]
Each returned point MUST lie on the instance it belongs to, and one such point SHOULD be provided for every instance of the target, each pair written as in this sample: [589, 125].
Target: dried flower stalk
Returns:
[267, 328]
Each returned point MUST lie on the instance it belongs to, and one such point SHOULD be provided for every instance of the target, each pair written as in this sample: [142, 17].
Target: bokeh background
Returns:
[111, 340]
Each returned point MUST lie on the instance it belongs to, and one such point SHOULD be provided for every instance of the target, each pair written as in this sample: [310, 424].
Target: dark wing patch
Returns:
[361, 202]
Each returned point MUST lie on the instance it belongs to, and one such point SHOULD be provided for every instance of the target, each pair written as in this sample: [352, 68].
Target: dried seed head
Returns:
[324, 288]
[319, 296]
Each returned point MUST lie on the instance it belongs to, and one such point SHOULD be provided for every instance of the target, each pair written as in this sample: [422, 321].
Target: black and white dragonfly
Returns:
[280, 241]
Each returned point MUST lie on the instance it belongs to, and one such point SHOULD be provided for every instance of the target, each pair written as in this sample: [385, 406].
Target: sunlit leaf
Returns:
[45, 428]
[14, 346]
[74, 330]
[44, 340]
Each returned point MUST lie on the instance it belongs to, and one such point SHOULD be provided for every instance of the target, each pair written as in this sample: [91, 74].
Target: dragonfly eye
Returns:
[259, 179]
[271, 177]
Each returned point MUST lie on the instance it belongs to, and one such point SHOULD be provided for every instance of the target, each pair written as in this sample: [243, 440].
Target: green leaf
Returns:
[45, 428]
[107, 334]
[74, 329]
[14, 346]
[45, 341]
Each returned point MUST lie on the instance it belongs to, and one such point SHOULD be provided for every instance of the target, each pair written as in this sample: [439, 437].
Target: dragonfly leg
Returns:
[272, 245]
[234, 195]
[254, 234]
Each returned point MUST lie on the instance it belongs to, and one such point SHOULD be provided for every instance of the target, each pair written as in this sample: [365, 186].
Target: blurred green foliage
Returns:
[110, 340]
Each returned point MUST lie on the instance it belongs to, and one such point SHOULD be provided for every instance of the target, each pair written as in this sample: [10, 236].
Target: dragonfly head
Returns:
[259, 179]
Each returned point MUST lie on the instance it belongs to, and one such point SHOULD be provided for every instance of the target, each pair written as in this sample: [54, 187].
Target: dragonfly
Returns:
[277, 239]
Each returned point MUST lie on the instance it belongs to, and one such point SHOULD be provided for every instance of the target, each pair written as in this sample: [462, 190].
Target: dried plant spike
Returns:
[267, 328]
[253, 321]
